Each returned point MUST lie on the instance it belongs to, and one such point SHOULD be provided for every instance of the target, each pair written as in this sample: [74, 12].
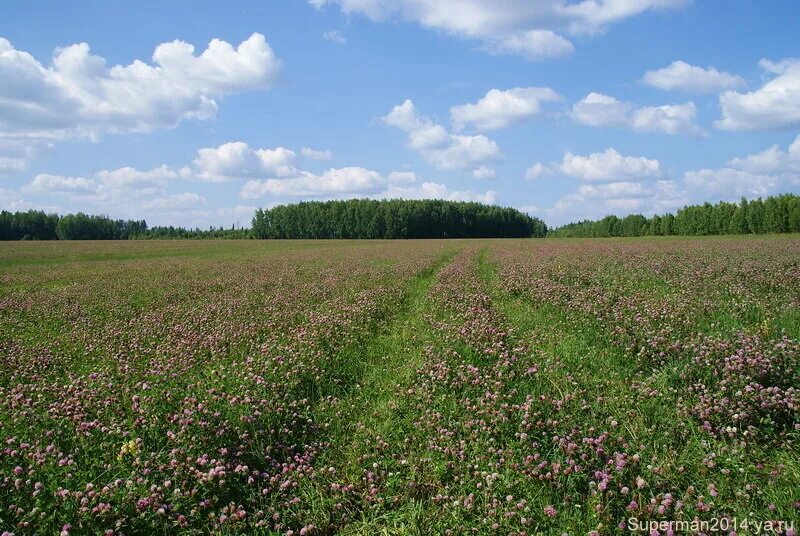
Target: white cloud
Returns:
[462, 152]
[600, 110]
[531, 29]
[608, 165]
[131, 181]
[537, 170]
[12, 201]
[499, 109]
[730, 183]
[668, 119]
[432, 190]
[593, 201]
[484, 172]
[316, 155]
[236, 160]
[682, 76]
[79, 96]
[612, 184]
[106, 187]
[348, 180]
[335, 36]
[15, 155]
[771, 160]
[402, 177]
[776, 105]
[623, 189]
[185, 200]
[59, 185]
[438, 147]
[532, 44]
[769, 172]
[531, 210]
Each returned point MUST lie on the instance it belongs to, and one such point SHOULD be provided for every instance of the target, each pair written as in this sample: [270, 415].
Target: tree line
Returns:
[38, 225]
[775, 214]
[174, 233]
[396, 218]
[365, 218]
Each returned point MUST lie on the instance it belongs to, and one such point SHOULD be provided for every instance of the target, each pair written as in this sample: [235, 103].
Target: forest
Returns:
[777, 214]
[37, 225]
[366, 218]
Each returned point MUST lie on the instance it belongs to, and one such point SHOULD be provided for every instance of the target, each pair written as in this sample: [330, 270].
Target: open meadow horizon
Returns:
[399, 268]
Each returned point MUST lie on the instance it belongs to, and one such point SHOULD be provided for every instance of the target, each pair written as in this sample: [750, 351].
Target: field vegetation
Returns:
[398, 387]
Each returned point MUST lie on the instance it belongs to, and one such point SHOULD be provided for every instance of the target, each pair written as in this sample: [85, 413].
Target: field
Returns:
[399, 387]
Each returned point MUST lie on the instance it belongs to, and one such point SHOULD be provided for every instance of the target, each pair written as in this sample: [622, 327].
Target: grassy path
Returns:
[373, 411]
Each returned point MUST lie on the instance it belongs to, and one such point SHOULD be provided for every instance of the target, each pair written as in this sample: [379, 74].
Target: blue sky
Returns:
[565, 108]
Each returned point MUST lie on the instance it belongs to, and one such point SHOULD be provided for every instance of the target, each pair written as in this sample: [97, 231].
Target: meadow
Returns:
[510, 387]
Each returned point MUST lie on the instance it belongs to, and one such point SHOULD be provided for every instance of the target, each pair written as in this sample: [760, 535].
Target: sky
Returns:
[198, 113]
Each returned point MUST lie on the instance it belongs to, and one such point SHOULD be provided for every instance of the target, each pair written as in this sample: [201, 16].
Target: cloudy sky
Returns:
[196, 113]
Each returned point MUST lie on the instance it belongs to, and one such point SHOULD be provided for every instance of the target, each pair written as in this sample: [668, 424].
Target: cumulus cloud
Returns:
[771, 160]
[116, 186]
[402, 177]
[79, 96]
[593, 201]
[271, 173]
[731, 183]
[499, 109]
[769, 172]
[60, 185]
[316, 155]
[668, 119]
[606, 166]
[775, 105]
[484, 172]
[612, 183]
[347, 180]
[131, 181]
[600, 110]
[682, 76]
[537, 170]
[438, 147]
[532, 44]
[534, 30]
[236, 160]
[433, 190]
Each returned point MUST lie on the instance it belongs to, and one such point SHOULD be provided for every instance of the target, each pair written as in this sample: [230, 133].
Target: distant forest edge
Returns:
[365, 218]
[355, 218]
[778, 214]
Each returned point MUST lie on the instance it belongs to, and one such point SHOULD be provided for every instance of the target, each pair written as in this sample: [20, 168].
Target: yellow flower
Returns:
[129, 447]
